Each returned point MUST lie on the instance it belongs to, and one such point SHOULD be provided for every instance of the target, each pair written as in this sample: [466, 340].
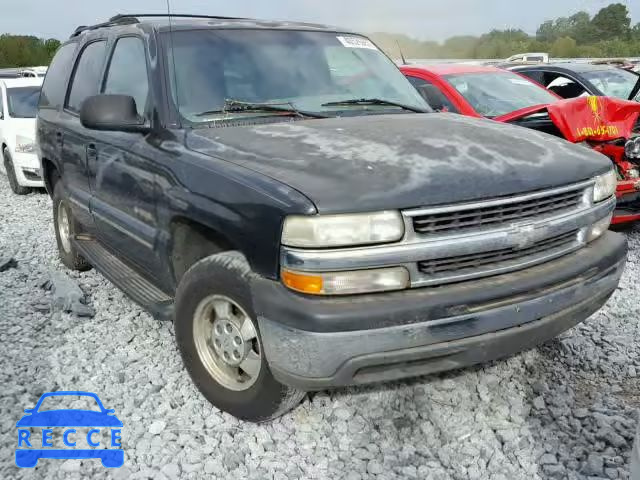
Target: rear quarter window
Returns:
[54, 87]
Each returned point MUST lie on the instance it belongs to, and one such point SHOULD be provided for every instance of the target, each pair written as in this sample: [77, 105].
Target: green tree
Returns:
[460, 47]
[26, 51]
[565, 47]
[612, 22]
[581, 28]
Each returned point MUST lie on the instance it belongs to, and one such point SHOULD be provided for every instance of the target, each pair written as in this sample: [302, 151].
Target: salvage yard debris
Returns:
[66, 295]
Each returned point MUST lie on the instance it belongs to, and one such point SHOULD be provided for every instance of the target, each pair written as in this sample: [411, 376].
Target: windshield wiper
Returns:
[375, 101]
[238, 106]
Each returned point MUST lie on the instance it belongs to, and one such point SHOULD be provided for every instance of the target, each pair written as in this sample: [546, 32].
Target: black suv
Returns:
[283, 194]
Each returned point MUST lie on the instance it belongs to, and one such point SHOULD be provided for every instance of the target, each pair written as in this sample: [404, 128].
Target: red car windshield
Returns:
[492, 94]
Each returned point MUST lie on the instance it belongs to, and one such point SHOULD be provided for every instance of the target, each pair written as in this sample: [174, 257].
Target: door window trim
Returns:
[75, 69]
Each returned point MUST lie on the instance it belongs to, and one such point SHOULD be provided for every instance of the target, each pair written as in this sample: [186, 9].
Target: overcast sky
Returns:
[425, 19]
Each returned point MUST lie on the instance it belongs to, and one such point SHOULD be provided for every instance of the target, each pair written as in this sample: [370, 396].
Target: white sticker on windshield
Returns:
[356, 42]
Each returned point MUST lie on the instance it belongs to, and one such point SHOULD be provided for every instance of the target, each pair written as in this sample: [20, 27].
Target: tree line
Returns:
[609, 33]
[26, 50]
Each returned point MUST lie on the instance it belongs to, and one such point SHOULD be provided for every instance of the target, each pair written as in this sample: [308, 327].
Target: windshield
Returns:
[613, 82]
[302, 69]
[492, 94]
[23, 101]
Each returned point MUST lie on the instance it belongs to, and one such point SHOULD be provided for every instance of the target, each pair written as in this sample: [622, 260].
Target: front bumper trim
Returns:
[319, 343]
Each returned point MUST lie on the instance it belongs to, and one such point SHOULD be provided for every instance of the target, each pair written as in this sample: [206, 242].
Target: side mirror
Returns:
[109, 411]
[29, 410]
[112, 113]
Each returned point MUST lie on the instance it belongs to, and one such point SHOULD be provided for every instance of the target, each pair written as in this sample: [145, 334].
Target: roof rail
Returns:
[160, 15]
[121, 20]
[133, 18]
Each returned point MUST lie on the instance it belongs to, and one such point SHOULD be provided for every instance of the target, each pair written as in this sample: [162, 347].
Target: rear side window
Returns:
[55, 83]
[86, 77]
[127, 73]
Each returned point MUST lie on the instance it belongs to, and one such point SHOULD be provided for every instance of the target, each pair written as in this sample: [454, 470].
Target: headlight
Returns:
[25, 145]
[632, 148]
[347, 283]
[325, 231]
[599, 228]
[605, 186]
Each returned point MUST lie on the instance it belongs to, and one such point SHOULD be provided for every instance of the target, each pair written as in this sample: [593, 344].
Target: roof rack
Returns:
[133, 18]
[160, 15]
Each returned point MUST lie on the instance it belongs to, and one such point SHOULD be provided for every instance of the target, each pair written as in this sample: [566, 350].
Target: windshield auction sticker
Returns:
[87, 430]
[356, 42]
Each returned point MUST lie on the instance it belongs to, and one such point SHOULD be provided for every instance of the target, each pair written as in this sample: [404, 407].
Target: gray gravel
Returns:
[566, 410]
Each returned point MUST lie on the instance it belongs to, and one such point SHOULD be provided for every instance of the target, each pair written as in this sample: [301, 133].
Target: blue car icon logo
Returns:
[32, 447]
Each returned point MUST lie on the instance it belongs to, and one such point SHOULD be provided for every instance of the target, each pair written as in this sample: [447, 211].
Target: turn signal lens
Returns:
[347, 283]
[302, 282]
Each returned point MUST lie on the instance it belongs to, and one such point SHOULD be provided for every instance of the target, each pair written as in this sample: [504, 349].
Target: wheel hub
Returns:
[228, 342]
[64, 228]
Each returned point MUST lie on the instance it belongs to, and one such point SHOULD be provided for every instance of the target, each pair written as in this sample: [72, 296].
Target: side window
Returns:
[563, 86]
[54, 87]
[535, 75]
[86, 77]
[432, 94]
[127, 73]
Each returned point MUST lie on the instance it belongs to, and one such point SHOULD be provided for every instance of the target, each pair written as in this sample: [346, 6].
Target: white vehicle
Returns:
[18, 108]
[34, 72]
[530, 57]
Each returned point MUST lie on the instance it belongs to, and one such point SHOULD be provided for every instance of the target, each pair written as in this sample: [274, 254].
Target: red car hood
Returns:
[586, 118]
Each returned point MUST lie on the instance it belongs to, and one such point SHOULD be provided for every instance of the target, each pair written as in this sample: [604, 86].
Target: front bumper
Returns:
[27, 168]
[314, 343]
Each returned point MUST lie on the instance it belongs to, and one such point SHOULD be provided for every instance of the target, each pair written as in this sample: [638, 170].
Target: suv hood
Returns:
[379, 162]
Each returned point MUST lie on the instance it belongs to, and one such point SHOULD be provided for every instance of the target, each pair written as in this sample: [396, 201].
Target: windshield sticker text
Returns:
[356, 42]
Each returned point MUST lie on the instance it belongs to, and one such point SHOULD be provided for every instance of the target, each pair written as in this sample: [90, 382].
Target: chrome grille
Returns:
[502, 213]
[496, 259]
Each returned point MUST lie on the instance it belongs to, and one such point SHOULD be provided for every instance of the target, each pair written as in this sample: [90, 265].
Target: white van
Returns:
[18, 109]
[529, 58]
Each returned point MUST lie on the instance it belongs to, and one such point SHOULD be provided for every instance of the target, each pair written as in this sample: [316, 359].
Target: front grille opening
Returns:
[496, 258]
[496, 215]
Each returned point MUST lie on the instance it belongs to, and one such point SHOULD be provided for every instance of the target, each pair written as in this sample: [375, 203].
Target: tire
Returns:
[11, 175]
[226, 276]
[69, 255]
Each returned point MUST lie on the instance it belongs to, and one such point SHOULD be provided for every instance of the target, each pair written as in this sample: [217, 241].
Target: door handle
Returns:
[59, 138]
[92, 151]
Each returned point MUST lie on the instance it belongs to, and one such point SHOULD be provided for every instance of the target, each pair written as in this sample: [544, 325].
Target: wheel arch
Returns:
[49, 174]
[191, 241]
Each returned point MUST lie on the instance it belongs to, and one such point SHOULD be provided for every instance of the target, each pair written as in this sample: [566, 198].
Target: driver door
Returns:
[122, 178]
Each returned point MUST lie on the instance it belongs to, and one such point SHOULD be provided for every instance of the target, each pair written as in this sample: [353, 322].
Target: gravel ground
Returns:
[566, 410]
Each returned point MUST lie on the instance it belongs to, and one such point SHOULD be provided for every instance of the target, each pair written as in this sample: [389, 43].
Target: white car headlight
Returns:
[327, 231]
[605, 186]
[599, 228]
[25, 144]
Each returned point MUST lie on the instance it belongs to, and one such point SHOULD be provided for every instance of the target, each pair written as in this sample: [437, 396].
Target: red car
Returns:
[605, 124]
